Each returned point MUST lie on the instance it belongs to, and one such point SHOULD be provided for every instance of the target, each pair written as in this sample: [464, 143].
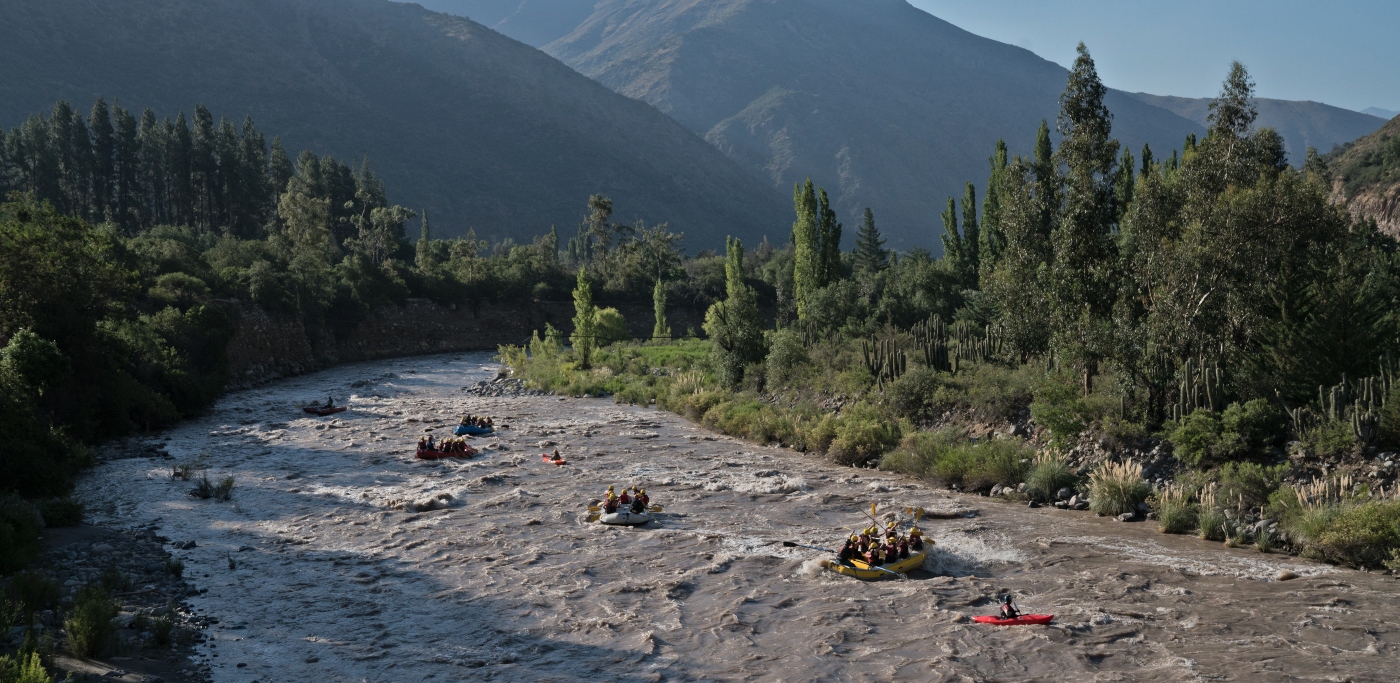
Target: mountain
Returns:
[533, 22]
[1302, 124]
[1367, 176]
[1383, 113]
[478, 129]
[880, 102]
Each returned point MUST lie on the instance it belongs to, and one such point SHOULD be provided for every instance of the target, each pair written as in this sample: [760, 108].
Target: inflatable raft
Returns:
[861, 570]
[324, 411]
[471, 430]
[433, 454]
[625, 518]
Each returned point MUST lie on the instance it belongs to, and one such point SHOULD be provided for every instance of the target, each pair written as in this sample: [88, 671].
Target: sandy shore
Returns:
[314, 571]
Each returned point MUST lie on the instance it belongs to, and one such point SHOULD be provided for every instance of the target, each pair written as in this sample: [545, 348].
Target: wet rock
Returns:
[1081, 505]
[1126, 517]
[1064, 493]
[1285, 575]
[1032, 504]
[1143, 508]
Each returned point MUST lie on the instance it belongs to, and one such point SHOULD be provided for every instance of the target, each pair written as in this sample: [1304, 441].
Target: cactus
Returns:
[883, 359]
[1201, 388]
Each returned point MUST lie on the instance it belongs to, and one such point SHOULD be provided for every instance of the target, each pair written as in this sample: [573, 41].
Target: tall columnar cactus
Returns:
[883, 359]
[1201, 387]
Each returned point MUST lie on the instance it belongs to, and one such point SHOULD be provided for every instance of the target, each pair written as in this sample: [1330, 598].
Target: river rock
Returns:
[1126, 517]
[1064, 493]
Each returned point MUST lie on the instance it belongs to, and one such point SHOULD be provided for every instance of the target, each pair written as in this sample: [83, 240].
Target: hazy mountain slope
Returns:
[1382, 113]
[479, 129]
[533, 22]
[1302, 123]
[1367, 176]
[884, 104]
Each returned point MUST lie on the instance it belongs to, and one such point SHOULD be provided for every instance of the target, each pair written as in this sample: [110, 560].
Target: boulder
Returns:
[1126, 517]
[1064, 493]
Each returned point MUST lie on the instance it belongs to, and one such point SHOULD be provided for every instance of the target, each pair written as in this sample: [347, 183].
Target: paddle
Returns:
[790, 544]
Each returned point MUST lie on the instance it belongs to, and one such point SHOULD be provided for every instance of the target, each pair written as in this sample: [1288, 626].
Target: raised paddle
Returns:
[790, 544]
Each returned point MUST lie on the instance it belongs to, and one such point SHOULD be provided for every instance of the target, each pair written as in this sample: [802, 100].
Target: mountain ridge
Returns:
[1302, 123]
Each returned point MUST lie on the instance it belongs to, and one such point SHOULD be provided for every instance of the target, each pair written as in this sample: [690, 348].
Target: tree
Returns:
[830, 240]
[1047, 182]
[584, 338]
[734, 325]
[1083, 277]
[658, 304]
[952, 238]
[807, 265]
[1018, 283]
[104, 157]
[423, 254]
[972, 240]
[1123, 186]
[993, 240]
[600, 210]
[871, 256]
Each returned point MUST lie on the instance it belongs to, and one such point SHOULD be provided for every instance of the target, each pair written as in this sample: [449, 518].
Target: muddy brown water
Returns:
[314, 575]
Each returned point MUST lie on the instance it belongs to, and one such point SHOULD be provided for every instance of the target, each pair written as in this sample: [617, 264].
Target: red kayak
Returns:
[546, 457]
[1023, 620]
[431, 454]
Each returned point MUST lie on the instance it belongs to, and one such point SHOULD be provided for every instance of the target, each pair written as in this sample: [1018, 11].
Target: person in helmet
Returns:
[1008, 608]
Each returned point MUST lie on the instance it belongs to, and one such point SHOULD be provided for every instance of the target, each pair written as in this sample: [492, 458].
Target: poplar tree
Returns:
[422, 254]
[871, 256]
[972, 239]
[951, 238]
[585, 320]
[1047, 182]
[993, 239]
[807, 266]
[829, 235]
[1083, 276]
[734, 325]
[658, 304]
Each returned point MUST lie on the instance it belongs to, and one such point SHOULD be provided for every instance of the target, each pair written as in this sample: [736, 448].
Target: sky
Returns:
[1343, 52]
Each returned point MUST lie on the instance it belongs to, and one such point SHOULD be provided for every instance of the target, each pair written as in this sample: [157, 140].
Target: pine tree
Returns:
[179, 148]
[279, 167]
[871, 256]
[585, 320]
[807, 265]
[203, 168]
[104, 159]
[127, 192]
[658, 304]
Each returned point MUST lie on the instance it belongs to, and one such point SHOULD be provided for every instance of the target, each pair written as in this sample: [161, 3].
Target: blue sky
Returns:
[1344, 52]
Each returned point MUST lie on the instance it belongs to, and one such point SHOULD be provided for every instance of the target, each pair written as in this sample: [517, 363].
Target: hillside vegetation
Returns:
[476, 129]
[1367, 176]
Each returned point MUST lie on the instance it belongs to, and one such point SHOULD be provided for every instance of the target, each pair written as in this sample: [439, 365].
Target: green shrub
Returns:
[20, 525]
[1389, 424]
[115, 580]
[1116, 488]
[1210, 523]
[1058, 406]
[162, 629]
[1248, 485]
[61, 512]
[1356, 533]
[918, 451]
[175, 567]
[786, 355]
[863, 434]
[1195, 438]
[224, 489]
[912, 396]
[32, 592]
[1331, 438]
[23, 668]
[1047, 476]
[1253, 426]
[611, 327]
[90, 624]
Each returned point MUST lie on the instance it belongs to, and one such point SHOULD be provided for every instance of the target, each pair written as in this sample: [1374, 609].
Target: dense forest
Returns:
[1213, 300]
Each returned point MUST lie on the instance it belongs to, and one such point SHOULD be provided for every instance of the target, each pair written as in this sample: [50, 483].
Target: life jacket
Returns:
[624, 498]
[637, 506]
[610, 506]
[646, 500]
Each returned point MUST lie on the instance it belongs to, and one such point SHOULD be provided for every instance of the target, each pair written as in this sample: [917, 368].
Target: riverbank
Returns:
[333, 578]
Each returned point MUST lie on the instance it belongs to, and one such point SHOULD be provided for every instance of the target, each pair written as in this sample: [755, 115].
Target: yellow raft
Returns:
[861, 570]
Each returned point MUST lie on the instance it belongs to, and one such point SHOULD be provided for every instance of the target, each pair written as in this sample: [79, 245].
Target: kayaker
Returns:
[330, 402]
[1008, 608]
[557, 457]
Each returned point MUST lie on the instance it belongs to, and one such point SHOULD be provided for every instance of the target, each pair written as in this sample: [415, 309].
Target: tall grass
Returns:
[1117, 487]
[945, 457]
[1210, 523]
[1334, 521]
[1176, 509]
[1048, 475]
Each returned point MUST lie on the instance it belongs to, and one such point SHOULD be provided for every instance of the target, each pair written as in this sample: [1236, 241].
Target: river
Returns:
[316, 573]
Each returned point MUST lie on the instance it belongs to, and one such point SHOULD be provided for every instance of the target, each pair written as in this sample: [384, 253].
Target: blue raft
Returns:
[471, 430]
